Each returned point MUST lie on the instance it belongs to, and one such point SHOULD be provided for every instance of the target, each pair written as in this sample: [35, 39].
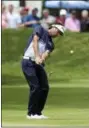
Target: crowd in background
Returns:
[23, 18]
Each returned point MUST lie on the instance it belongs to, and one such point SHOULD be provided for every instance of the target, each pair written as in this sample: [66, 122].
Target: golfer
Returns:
[39, 46]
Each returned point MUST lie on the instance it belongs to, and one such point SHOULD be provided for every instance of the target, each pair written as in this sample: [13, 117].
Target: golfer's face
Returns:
[54, 32]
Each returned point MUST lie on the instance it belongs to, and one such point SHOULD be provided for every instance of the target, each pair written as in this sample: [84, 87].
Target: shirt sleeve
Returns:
[67, 26]
[50, 46]
[37, 31]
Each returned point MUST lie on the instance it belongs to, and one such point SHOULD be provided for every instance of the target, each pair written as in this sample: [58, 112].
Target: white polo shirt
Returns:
[13, 20]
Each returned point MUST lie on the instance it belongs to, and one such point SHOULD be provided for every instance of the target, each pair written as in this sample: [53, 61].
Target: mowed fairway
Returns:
[68, 74]
[66, 105]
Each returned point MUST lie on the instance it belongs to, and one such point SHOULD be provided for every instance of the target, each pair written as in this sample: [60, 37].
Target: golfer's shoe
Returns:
[44, 117]
[34, 117]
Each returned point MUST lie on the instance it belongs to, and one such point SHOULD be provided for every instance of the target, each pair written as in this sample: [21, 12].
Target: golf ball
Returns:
[71, 51]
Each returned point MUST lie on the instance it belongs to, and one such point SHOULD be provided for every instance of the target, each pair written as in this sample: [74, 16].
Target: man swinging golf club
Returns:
[39, 47]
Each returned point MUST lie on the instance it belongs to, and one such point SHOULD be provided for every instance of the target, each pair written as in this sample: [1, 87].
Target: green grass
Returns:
[68, 100]
[65, 105]
[65, 66]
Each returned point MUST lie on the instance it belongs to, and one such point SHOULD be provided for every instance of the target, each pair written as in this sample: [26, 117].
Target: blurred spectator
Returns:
[26, 9]
[33, 19]
[4, 23]
[85, 21]
[72, 23]
[62, 16]
[47, 19]
[21, 12]
[24, 14]
[14, 19]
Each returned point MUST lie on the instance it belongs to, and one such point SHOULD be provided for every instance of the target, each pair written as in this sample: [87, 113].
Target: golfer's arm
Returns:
[35, 45]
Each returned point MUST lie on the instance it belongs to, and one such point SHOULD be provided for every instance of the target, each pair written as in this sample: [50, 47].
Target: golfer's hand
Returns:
[44, 56]
[38, 60]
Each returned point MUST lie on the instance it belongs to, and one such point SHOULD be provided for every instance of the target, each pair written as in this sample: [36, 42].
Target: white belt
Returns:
[27, 58]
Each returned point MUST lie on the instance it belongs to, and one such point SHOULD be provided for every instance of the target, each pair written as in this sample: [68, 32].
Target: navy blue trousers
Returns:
[38, 83]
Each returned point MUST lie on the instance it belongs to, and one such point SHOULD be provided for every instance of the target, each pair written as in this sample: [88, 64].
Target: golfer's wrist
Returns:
[37, 56]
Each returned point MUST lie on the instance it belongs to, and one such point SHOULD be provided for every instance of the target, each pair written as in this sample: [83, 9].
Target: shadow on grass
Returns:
[17, 98]
[15, 80]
